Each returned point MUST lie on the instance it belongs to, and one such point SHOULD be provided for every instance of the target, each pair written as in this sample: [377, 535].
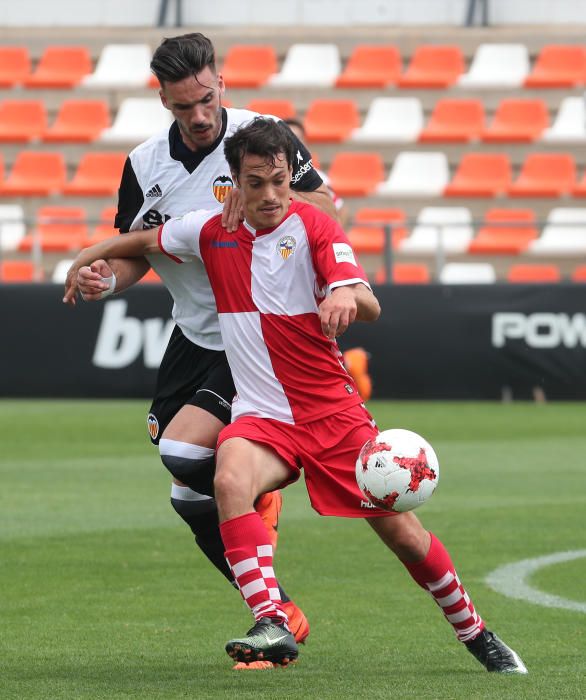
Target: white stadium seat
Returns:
[497, 66]
[393, 119]
[309, 64]
[137, 119]
[417, 174]
[60, 271]
[121, 65]
[448, 229]
[12, 226]
[467, 273]
[570, 122]
[564, 233]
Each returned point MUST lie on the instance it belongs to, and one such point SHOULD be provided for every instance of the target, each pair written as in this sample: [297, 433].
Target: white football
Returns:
[397, 470]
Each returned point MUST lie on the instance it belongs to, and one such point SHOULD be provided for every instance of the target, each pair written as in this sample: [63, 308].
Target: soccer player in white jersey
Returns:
[173, 172]
[286, 284]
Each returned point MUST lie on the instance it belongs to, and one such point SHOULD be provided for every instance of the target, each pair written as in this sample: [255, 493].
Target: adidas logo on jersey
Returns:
[155, 192]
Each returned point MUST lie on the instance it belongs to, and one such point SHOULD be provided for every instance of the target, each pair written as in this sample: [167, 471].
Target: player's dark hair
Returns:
[262, 137]
[180, 57]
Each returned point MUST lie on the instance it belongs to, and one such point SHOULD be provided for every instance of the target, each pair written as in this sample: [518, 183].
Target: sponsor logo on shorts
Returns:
[343, 253]
[221, 186]
[153, 425]
[286, 246]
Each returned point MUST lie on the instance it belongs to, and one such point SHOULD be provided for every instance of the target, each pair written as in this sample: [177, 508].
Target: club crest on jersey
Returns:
[286, 246]
[222, 185]
[153, 425]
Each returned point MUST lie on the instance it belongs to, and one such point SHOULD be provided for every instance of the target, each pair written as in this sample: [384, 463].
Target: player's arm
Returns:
[346, 304]
[118, 273]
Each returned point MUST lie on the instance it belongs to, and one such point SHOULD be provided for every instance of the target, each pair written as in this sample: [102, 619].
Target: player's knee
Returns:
[193, 465]
[198, 510]
[227, 483]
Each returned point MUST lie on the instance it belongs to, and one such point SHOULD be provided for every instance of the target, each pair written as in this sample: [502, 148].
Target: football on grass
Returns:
[397, 470]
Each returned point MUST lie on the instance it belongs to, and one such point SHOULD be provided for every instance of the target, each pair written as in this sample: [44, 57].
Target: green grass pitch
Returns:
[103, 594]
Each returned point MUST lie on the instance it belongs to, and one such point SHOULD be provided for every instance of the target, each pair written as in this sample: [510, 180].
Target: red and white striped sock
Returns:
[437, 575]
[250, 557]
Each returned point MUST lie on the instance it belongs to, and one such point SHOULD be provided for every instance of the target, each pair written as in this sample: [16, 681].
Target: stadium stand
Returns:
[454, 121]
[448, 229]
[579, 274]
[433, 67]
[284, 109]
[15, 65]
[249, 65]
[60, 67]
[78, 121]
[481, 175]
[505, 232]
[356, 174]
[22, 121]
[330, 120]
[97, 175]
[467, 273]
[12, 226]
[557, 67]
[137, 119]
[58, 229]
[545, 175]
[417, 174]
[35, 173]
[371, 66]
[105, 227]
[405, 273]
[497, 66]
[527, 273]
[391, 119]
[563, 235]
[121, 66]
[570, 122]
[316, 65]
[368, 238]
[18, 271]
[60, 271]
[517, 120]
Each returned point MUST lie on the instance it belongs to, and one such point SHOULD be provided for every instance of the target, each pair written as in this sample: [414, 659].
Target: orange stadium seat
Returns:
[35, 173]
[150, 277]
[22, 121]
[371, 66]
[433, 67]
[529, 273]
[15, 65]
[558, 66]
[579, 274]
[331, 120]
[79, 121]
[17, 271]
[58, 229]
[505, 232]
[579, 189]
[370, 239]
[545, 175]
[284, 109]
[454, 121]
[480, 175]
[405, 273]
[98, 175]
[105, 227]
[517, 120]
[249, 65]
[60, 67]
[356, 174]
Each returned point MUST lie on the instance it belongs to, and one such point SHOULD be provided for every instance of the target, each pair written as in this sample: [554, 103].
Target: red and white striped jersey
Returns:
[268, 285]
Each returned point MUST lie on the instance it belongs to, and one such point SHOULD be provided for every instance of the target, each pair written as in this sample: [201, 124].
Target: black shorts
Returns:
[190, 375]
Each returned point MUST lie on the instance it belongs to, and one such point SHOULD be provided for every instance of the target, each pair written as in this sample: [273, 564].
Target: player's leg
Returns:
[248, 548]
[429, 563]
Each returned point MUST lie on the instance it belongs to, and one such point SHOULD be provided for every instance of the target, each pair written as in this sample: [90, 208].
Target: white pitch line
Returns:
[510, 580]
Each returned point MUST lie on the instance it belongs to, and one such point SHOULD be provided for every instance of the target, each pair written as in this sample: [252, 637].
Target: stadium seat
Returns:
[309, 64]
[558, 66]
[505, 232]
[433, 67]
[570, 122]
[284, 109]
[545, 175]
[467, 273]
[417, 174]
[59, 274]
[481, 175]
[60, 67]
[579, 274]
[563, 235]
[497, 66]
[529, 273]
[35, 173]
[137, 119]
[330, 120]
[151, 277]
[383, 215]
[57, 229]
[79, 121]
[579, 189]
[248, 66]
[121, 66]
[18, 271]
[22, 121]
[405, 273]
[391, 119]
[15, 65]
[454, 121]
[517, 120]
[368, 233]
[356, 174]
[98, 174]
[12, 227]
[105, 227]
[371, 66]
[440, 228]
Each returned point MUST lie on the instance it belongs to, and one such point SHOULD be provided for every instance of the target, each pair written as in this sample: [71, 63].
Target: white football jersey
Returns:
[163, 179]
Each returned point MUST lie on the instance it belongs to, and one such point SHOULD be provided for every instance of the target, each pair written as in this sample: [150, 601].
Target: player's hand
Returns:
[337, 312]
[89, 280]
[233, 212]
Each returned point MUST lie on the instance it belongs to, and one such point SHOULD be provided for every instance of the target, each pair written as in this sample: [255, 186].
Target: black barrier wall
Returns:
[433, 341]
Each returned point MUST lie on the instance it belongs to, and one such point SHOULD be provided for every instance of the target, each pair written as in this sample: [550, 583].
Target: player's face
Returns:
[264, 186]
[196, 103]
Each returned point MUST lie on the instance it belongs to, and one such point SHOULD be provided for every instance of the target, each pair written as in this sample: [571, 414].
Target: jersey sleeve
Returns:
[130, 198]
[305, 177]
[179, 237]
